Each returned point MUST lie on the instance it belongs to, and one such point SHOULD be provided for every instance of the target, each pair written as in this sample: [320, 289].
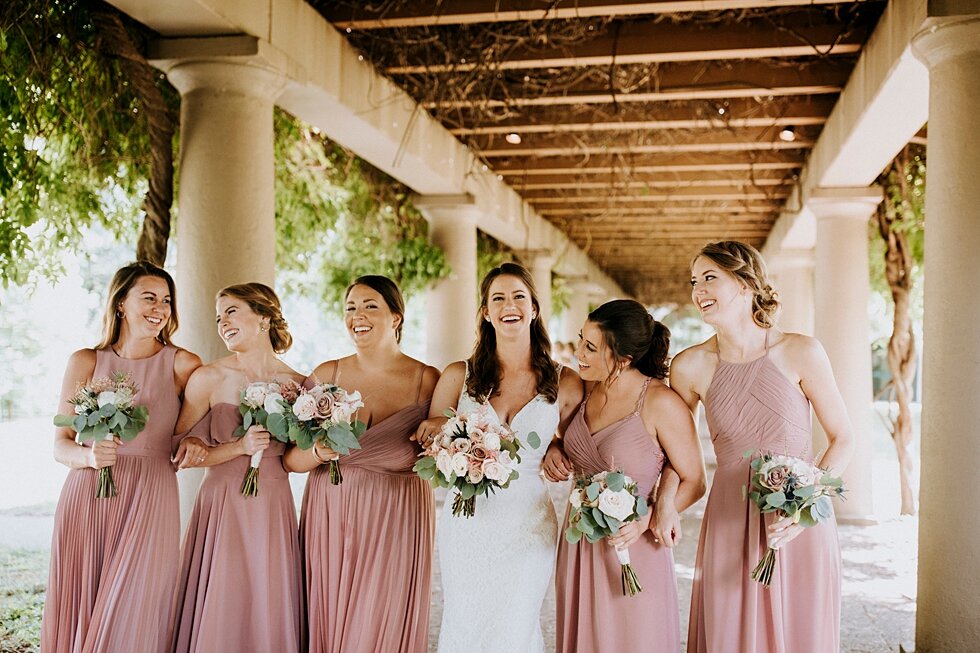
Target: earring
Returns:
[264, 327]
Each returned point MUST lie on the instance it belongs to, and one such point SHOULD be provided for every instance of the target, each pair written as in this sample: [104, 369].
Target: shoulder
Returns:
[83, 359]
[800, 350]
[695, 359]
[570, 386]
[210, 373]
[430, 376]
[455, 370]
[660, 398]
[324, 371]
[186, 362]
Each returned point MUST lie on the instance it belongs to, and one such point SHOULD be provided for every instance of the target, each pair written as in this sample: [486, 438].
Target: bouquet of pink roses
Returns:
[326, 412]
[265, 404]
[791, 487]
[105, 408]
[473, 454]
[600, 505]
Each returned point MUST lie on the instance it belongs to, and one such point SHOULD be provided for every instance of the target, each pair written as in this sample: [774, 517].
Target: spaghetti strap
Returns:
[336, 374]
[767, 342]
[643, 394]
[419, 375]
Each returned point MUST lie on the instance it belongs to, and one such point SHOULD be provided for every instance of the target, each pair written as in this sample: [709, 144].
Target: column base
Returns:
[859, 520]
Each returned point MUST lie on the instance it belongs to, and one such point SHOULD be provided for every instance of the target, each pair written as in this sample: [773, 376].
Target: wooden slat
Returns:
[560, 167]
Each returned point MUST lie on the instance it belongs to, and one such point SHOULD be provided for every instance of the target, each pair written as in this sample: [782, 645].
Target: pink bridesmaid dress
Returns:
[593, 614]
[240, 582]
[368, 543]
[114, 560]
[753, 407]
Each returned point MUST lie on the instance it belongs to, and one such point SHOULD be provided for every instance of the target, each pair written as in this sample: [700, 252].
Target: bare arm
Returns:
[301, 461]
[818, 384]
[79, 370]
[445, 396]
[185, 363]
[555, 465]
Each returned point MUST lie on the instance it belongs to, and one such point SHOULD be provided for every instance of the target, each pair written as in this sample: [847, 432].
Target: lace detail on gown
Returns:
[497, 565]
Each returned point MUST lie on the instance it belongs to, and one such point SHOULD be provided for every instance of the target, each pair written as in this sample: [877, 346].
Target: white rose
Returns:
[341, 413]
[504, 459]
[618, 505]
[273, 403]
[444, 463]
[575, 498]
[305, 407]
[255, 395]
[495, 471]
[475, 474]
[461, 464]
[124, 398]
[106, 397]
[442, 441]
[491, 441]
[460, 445]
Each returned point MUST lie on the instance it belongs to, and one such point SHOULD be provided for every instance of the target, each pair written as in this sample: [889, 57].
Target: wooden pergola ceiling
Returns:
[643, 129]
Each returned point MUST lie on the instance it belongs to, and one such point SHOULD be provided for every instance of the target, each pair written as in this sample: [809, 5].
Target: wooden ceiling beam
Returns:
[558, 167]
[695, 195]
[616, 212]
[678, 81]
[666, 148]
[710, 178]
[730, 114]
[804, 34]
[621, 185]
[429, 13]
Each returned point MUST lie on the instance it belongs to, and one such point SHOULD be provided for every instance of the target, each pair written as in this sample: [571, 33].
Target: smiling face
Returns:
[367, 316]
[146, 307]
[595, 359]
[238, 325]
[716, 292]
[509, 307]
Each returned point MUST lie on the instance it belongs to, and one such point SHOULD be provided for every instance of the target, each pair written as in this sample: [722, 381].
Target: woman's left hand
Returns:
[190, 453]
[783, 531]
[630, 532]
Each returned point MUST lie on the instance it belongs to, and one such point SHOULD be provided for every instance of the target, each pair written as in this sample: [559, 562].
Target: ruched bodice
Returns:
[385, 445]
[753, 406]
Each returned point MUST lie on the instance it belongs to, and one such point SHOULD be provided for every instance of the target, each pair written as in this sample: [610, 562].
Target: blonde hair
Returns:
[264, 302]
[122, 282]
[745, 263]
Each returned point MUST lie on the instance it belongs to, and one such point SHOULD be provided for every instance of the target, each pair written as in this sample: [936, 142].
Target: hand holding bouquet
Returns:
[105, 408]
[325, 413]
[264, 404]
[791, 487]
[600, 505]
[473, 454]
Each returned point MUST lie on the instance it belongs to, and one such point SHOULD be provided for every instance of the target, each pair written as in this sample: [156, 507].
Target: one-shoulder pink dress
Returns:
[594, 616]
[114, 560]
[753, 407]
[367, 544]
[240, 583]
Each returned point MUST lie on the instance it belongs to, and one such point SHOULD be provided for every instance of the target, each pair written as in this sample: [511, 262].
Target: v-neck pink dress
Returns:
[594, 616]
[753, 407]
[367, 544]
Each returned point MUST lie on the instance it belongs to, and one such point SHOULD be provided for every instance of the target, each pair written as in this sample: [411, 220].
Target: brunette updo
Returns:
[630, 332]
[264, 302]
[745, 263]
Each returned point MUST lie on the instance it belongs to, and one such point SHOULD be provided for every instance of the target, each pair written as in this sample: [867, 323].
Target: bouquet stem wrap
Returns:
[250, 484]
[631, 584]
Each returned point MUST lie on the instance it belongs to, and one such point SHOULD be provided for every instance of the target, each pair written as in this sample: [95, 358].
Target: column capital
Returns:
[240, 64]
[945, 38]
[844, 202]
[537, 257]
[458, 208]
[794, 258]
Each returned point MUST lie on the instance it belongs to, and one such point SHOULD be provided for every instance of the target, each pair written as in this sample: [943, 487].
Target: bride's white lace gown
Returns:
[497, 565]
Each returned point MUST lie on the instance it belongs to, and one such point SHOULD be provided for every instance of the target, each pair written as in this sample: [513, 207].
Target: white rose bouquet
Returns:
[104, 408]
[327, 412]
[791, 487]
[600, 505]
[473, 454]
[265, 404]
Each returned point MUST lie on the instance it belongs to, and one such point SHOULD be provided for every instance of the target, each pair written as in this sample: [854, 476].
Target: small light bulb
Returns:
[513, 138]
[787, 134]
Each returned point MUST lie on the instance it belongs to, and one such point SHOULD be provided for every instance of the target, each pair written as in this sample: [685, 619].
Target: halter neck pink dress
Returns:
[240, 582]
[593, 614]
[114, 560]
[367, 543]
[753, 407]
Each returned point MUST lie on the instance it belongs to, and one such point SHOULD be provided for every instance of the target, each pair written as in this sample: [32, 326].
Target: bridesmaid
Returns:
[367, 543]
[629, 420]
[240, 583]
[757, 385]
[497, 566]
[114, 560]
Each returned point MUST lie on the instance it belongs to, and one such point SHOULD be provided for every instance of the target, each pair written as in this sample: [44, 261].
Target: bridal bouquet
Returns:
[105, 408]
[326, 413]
[600, 505]
[267, 405]
[791, 487]
[473, 454]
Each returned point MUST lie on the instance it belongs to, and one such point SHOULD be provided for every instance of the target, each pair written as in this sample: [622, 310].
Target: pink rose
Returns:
[459, 445]
[478, 452]
[291, 391]
[475, 474]
[324, 405]
[775, 478]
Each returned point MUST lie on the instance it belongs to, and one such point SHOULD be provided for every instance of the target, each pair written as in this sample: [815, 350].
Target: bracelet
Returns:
[316, 455]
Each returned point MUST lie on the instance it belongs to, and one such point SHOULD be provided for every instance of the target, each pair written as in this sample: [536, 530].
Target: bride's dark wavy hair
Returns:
[484, 368]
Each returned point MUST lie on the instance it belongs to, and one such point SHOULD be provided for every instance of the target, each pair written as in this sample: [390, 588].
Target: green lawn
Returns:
[23, 574]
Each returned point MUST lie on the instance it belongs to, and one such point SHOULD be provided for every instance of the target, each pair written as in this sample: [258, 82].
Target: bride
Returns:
[496, 566]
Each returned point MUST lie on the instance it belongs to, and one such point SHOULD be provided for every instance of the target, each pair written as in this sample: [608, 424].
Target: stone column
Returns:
[226, 225]
[793, 273]
[539, 262]
[577, 311]
[841, 324]
[949, 565]
[452, 302]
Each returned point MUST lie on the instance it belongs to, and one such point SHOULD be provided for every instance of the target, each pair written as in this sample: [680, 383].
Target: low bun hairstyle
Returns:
[631, 332]
[745, 263]
[264, 302]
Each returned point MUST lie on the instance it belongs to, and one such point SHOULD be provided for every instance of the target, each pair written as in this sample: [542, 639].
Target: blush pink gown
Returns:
[753, 406]
[240, 582]
[593, 614]
[367, 544]
[114, 560]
